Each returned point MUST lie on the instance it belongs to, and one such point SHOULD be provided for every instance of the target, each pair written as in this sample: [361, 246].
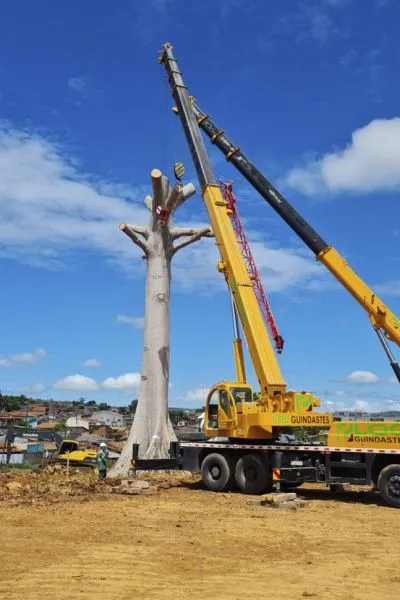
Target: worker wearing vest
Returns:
[102, 460]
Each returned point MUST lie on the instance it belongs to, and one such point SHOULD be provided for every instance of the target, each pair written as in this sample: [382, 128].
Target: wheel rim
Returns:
[394, 486]
[215, 472]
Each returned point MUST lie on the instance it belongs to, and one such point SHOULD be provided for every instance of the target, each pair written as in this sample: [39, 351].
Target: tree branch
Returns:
[127, 229]
[206, 232]
[177, 232]
[144, 231]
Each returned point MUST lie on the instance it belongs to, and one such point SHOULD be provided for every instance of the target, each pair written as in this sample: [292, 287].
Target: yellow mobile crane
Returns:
[251, 453]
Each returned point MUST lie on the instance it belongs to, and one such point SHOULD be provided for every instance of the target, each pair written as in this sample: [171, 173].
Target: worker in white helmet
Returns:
[102, 460]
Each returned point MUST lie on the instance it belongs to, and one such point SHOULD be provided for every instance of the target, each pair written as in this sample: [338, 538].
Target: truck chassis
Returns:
[256, 468]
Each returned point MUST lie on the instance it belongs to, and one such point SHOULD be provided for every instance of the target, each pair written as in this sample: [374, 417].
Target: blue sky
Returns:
[309, 90]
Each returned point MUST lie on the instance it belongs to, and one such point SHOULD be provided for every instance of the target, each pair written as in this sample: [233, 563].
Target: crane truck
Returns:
[244, 444]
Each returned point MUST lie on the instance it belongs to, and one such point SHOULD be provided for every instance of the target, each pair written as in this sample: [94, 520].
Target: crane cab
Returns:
[228, 405]
[224, 401]
[233, 411]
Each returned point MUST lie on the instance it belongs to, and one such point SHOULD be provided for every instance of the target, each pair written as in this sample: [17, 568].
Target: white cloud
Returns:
[137, 322]
[50, 211]
[25, 358]
[391, 288]
[79, 84]
[128, 381]
[373, 398]
[198, 395]
[35, 388]
[280, 268]
[361, 405]
[370, 163]
[91, 362]
[77, 383]
[29, 357]
[362, 377]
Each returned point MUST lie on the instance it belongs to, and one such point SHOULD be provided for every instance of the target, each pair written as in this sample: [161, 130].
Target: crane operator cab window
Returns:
[240, 394]
[220, 409]
[224, 403]
[212, 420]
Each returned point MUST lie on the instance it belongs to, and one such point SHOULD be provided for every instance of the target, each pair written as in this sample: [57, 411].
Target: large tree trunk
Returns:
[151, 428]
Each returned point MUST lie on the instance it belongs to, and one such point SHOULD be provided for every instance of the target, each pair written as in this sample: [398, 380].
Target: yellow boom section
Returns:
[232, 265]
[378, 312]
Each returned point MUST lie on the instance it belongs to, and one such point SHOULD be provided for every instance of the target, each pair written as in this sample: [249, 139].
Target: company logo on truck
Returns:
[302, 420]
[370, 433]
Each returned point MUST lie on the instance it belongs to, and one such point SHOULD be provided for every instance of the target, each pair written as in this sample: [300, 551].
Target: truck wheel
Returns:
[217, 472]
[251, 475]
[389, 485]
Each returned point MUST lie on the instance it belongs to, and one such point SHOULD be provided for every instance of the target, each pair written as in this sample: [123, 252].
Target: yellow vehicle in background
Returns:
[71, 453]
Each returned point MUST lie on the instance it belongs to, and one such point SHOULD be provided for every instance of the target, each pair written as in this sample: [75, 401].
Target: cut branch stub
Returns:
[173, 199]
[188, 191]
[157, 183]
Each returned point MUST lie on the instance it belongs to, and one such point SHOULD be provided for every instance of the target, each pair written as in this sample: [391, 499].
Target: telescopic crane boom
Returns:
[238, 414]
[383, 320]
[231, 264]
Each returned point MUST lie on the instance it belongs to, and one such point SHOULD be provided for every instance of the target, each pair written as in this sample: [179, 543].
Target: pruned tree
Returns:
[151, 427]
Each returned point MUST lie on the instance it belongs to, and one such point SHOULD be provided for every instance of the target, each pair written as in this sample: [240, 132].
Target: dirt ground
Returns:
[64, 539]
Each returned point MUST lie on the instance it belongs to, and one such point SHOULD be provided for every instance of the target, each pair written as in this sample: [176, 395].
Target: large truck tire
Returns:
[217, 471]
[389, 485]
[251, 475]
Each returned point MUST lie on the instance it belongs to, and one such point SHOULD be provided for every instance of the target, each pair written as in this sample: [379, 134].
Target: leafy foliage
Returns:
[9, 402]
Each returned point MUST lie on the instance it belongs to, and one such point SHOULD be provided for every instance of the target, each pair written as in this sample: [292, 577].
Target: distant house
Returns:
[15, 458]
[108, 417]
[20, 443]
[128, 420]
[29, 418]
[4, 419]
[38, 410]
[77, 422]
[35, 448]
